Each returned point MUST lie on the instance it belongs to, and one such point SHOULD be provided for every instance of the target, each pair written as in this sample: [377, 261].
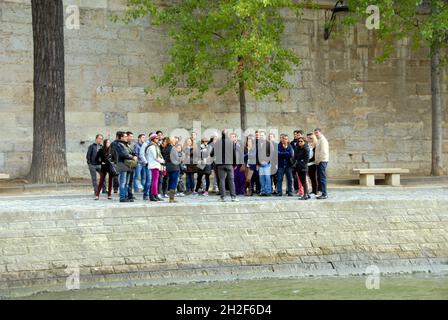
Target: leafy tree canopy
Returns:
[423, 22]
[239, 37]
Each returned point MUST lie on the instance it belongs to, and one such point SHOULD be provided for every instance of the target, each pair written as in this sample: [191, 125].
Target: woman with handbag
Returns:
[155, 161]
[104, 157]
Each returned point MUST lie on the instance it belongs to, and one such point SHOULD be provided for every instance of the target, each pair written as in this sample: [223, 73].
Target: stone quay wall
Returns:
[374, 115]
[192, 242]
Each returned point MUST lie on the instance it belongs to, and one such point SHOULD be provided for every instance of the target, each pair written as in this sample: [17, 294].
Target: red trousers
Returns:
[100, 184]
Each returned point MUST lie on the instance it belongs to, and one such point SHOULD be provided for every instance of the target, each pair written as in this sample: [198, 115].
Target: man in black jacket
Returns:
[223, 153]
[94, 167]
[120, 153]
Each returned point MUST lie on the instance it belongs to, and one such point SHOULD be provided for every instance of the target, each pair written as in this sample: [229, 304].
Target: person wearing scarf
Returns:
[155, 161]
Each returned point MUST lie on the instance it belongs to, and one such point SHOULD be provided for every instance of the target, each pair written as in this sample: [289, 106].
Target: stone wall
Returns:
[373, 115]
[186, 242]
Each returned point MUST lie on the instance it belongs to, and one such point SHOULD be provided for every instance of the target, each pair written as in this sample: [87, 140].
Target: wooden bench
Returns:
[4, 176]
[367, 176]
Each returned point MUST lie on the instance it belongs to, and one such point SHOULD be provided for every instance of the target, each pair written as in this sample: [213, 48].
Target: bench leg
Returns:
[367, 180]
[393, 179]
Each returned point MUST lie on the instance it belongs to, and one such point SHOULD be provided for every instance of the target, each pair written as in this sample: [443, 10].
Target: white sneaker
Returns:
[235, 199]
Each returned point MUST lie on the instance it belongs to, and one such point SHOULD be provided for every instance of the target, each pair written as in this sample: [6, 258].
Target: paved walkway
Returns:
[68, 200]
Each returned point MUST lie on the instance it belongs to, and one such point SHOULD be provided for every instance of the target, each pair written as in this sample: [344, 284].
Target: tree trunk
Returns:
[243, 113]
[49, 163]
[436, 165]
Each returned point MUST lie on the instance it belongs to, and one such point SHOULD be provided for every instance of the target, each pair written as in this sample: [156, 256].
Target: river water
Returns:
[416, 286]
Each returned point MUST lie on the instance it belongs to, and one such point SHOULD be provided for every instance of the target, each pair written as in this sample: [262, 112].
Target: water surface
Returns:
[417, 286]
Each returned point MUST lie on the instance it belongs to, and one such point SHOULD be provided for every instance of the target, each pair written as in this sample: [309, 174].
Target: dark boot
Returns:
[153, 198]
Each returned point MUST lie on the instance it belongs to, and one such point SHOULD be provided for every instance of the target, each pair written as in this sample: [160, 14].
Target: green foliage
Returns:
[238, 38]
[423, 22]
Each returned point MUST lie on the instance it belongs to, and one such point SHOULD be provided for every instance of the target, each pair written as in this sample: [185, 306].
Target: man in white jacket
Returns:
[321, 159]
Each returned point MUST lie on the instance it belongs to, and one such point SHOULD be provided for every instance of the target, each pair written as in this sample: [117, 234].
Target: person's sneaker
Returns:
[303, 198]
[290, 195]
[104, 191]
[279, 195]
[131, 200]
[205, 194]
[194, 193]
[124, 200]
[115, 191]
[97, 198]
[235, 199]
[145, 198]
[322, 197]
[263, 195]
[180, 194]
[222, 199]
[159, 198]
[165, 196]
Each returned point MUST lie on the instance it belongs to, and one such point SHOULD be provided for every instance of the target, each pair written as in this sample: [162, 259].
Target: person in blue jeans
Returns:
[120, 153]
[322, 156]
[172, 162]
[139, 171]
[264, 170]
[191, 157]
[263, 150]
[285, 156]
[147, 185]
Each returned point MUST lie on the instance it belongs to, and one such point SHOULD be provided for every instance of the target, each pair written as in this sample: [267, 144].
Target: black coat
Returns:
[301, 157]
[172, 159]
[91, 153]
[223, 151]
[120, 152]
[104, 160]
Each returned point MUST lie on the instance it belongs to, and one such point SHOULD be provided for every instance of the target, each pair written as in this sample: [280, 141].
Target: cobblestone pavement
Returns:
[67, 200]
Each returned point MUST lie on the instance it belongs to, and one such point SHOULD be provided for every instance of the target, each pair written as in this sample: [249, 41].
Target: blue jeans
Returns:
[124, 184]
[147, 185]
[139, 172]
[190, 181]
[265, 178]
[280, 173]
[322, 177]
[173, 178]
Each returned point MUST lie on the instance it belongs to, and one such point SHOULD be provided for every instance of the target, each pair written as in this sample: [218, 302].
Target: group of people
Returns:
[165, 167]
